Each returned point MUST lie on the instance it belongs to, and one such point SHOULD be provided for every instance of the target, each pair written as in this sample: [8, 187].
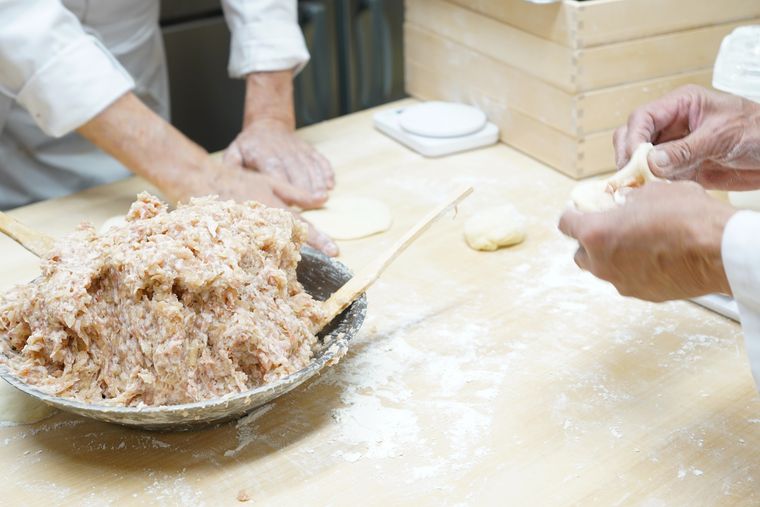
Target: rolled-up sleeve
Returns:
[265, 36]
[48, 64]
[740, 250]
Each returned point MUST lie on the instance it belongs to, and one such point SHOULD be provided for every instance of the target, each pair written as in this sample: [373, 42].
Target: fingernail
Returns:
[331, 249]
[661, 159]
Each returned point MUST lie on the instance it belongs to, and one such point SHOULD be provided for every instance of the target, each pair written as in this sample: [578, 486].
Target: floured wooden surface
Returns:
[478, 378]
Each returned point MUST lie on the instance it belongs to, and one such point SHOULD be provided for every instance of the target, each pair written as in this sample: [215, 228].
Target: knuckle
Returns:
[248, 152]
[592, 237]
[683, 152]
[690, 89]
[624, 289]
[639, 116]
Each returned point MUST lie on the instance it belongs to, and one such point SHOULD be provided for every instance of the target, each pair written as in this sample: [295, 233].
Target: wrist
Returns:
[709, 237]
[269, 96]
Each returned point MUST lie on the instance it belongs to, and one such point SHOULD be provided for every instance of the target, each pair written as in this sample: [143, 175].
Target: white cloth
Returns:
[64, 61]
[265, 36]
[740, 250]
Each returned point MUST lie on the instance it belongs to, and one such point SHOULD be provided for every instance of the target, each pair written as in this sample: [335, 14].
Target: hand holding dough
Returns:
[494, 228]
[601, 195]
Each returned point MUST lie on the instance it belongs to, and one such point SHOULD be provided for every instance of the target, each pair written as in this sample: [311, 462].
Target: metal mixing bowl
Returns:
[320, 276]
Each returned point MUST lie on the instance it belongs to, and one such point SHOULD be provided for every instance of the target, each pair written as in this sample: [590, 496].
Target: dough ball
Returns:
[494, 228]
[20, 408]
[351, 217]
[590, 196]
[115, 221]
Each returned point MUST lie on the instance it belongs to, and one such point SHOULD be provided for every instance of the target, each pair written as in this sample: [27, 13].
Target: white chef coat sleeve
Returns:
[740, 250]
[265, 36]
[48, 64]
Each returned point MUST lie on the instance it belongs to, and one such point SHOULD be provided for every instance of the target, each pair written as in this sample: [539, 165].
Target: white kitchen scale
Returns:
[434, 129]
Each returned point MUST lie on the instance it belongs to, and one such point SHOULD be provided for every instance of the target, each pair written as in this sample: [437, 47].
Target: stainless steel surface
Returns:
[320, 276]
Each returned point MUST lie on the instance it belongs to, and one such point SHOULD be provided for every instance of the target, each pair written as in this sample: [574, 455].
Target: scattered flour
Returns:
[173, 489]
[246, 428]
[423, 392]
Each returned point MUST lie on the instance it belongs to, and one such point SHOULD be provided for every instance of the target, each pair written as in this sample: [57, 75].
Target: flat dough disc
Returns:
[442, 119]
[494, 228]
[20, 408]
[351, 217]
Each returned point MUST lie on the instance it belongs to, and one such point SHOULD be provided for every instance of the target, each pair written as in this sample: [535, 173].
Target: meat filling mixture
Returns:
[173, 307]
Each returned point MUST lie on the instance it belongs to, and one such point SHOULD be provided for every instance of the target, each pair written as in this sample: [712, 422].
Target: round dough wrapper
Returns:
[20, 408]
[351, 217]
[115, 221]
[493, 228]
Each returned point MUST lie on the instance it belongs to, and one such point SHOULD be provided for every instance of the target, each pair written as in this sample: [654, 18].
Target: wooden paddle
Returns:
[360, 282]
[36, 242]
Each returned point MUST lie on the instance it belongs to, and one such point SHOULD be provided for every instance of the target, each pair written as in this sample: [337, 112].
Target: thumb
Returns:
[321, 241]
[678, 158]
[318, 239]
[294, 196]
[569, 222]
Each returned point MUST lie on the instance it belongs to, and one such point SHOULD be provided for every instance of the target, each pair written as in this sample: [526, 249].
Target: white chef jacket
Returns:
[64, 61]
[740, 250]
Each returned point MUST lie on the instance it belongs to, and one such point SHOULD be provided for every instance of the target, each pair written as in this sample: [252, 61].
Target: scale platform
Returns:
[434, 129]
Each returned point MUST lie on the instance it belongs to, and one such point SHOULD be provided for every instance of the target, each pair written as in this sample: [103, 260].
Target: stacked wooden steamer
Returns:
[558, 79]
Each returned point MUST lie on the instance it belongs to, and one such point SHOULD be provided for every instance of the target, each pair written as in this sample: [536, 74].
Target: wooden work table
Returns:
[506, 378]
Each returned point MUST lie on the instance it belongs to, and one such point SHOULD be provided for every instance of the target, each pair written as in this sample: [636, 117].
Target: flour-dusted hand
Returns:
[268, 142]
[705, 136]
[239, 184]
[664, 243]
[236, 183]
[272, 147]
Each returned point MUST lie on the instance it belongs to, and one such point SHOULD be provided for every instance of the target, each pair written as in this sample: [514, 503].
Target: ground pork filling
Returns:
[174, 307]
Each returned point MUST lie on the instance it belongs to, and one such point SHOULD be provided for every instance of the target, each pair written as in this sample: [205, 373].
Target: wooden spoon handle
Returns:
[36, 242]
[357, 285]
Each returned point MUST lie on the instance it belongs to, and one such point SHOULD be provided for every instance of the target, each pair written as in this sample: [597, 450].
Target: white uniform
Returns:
[63, 62]
[741, 260]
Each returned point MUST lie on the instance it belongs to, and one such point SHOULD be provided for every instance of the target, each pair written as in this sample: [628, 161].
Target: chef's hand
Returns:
[705, 136]
[664, 243]
[239, 184]
[268, 142]
[152, 148]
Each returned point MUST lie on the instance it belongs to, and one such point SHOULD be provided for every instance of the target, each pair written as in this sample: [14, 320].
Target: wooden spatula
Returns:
[357, 285]
[36, 242]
